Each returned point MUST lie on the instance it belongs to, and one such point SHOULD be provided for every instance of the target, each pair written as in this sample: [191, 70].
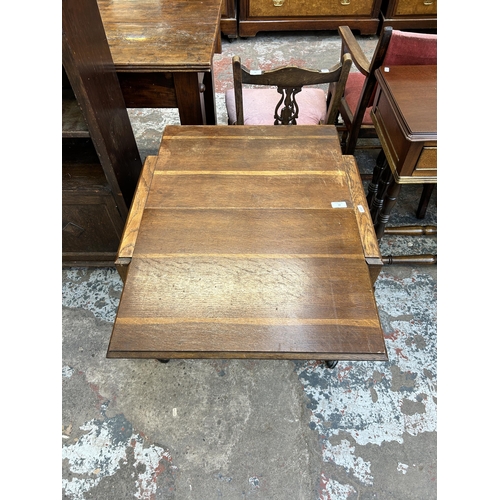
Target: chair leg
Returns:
[343, 140]
[424, 200]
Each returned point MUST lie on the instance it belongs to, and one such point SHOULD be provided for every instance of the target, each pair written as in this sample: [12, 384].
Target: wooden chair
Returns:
[394, 48]
[291, 103]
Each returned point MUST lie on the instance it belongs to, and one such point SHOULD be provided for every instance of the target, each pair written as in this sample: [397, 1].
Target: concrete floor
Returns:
[232, 429]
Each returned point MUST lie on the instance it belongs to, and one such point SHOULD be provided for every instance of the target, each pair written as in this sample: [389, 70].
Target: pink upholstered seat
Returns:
[259, 105]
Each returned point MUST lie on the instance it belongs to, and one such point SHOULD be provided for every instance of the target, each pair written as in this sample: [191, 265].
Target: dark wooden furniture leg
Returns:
[389, 201]
[331, 363]
[377, 171]
[424, 200]
[377, 201]
[190, 100]
[209, 98]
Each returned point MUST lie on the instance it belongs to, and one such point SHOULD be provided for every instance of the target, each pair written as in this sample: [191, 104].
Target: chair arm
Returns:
[351, 45]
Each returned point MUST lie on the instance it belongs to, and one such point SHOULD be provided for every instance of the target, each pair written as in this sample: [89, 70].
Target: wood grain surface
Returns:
[413, 91]
[240, 253]
[162, 35]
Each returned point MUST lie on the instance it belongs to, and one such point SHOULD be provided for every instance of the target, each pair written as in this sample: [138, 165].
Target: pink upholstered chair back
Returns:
[408, 48]
[411, 49]
[394, 48]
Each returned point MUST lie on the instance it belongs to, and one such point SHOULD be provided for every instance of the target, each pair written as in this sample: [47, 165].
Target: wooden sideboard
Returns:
[409, 14]
[280, 15]
[229, 19]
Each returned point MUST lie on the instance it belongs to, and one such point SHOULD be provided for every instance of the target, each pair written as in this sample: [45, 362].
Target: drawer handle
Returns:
[345, 2]
[278, 3]
[428, 2]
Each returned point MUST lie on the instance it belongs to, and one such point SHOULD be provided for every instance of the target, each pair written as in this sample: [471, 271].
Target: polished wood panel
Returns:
[362, 211]
[405, 117]
[305, 8]
[240, 254]
[180, 35]
[409, 14]
[134, 218]
[163, 52]
[279, 15]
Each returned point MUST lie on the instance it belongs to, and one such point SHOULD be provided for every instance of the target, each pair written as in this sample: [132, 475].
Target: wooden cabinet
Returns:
[229, 19]
[100, 160]
[409, 14]
[277, 15]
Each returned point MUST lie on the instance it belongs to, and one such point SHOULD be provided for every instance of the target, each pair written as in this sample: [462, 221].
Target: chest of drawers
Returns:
[409, 14]
[281, 15]
[229, 20]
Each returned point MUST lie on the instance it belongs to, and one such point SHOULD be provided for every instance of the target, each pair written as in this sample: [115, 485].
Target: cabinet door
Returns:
[312, 8]
[91, 222]
[92, 227]
[228, 9]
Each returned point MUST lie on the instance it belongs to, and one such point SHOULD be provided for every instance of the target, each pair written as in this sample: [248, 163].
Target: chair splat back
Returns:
[289, 82]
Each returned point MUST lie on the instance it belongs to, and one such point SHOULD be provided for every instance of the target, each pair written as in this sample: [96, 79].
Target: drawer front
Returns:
[427, 163]
[309, 8]
[416, 8]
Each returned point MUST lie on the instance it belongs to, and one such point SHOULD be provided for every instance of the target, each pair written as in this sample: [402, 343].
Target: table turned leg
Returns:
[372, 187]
[391, 195]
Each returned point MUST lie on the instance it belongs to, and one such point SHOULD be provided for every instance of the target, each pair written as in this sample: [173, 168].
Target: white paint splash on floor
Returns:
[98, 454]
[343, 454]
[97, 291]
[402, 467]
[377, 402]
[333, 490]
[349, 397]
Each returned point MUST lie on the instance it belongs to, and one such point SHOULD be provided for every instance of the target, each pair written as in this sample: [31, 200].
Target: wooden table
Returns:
[404, 114]
[233, 249]
[163, 51]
